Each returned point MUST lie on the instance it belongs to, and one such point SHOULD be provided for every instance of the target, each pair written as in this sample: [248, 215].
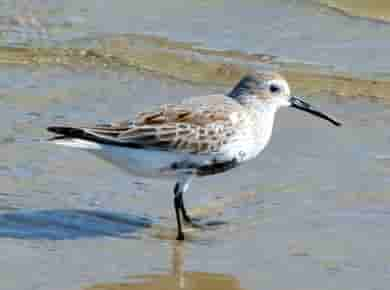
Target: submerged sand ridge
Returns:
[188, 62]
[374, 10]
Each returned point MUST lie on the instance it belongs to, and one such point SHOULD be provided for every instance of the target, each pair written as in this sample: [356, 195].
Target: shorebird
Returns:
[201, 136]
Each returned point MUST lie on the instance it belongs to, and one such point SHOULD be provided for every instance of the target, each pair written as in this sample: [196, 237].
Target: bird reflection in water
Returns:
[177, 279]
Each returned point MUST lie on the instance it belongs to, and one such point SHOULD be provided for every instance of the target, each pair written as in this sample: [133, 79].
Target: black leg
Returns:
[186, 217]
[189, 220]
[177, 203]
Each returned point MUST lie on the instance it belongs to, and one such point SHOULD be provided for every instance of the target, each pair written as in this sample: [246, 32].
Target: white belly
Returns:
[139, 162]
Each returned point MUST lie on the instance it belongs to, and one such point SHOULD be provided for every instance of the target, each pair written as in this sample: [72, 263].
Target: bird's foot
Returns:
[193, 222]
[215, 223]
[197, 223]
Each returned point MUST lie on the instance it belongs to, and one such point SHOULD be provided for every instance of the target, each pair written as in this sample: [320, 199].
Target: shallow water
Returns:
[312, 212]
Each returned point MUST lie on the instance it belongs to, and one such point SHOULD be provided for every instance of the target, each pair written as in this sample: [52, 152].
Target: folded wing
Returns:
[200, 125]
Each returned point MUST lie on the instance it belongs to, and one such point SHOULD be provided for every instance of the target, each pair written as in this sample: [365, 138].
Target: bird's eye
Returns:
[274, 89]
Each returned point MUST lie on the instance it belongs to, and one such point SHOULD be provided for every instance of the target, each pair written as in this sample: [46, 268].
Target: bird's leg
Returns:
[181, 187]
[177, 204]
[186, 217]
[183, 184]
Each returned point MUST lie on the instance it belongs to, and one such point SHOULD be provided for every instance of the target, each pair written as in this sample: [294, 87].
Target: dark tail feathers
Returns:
[66, 131]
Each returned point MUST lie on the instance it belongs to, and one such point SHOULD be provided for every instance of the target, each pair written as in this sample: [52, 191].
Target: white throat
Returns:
[265, 115]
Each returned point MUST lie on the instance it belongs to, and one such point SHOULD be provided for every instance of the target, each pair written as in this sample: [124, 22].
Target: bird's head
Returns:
[270, 91]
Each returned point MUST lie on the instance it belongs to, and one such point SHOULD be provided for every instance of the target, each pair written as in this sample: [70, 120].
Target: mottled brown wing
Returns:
[200, 125]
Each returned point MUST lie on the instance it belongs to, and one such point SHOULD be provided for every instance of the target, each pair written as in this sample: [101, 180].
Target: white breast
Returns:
[254, 137]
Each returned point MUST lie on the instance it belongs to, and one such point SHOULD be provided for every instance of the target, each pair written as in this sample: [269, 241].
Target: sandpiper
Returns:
[201, 136]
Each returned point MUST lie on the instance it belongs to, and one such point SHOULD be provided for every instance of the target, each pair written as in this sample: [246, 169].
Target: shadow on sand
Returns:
[61, 224]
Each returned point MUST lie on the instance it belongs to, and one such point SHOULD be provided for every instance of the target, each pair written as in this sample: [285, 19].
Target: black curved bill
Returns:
[300, 104]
